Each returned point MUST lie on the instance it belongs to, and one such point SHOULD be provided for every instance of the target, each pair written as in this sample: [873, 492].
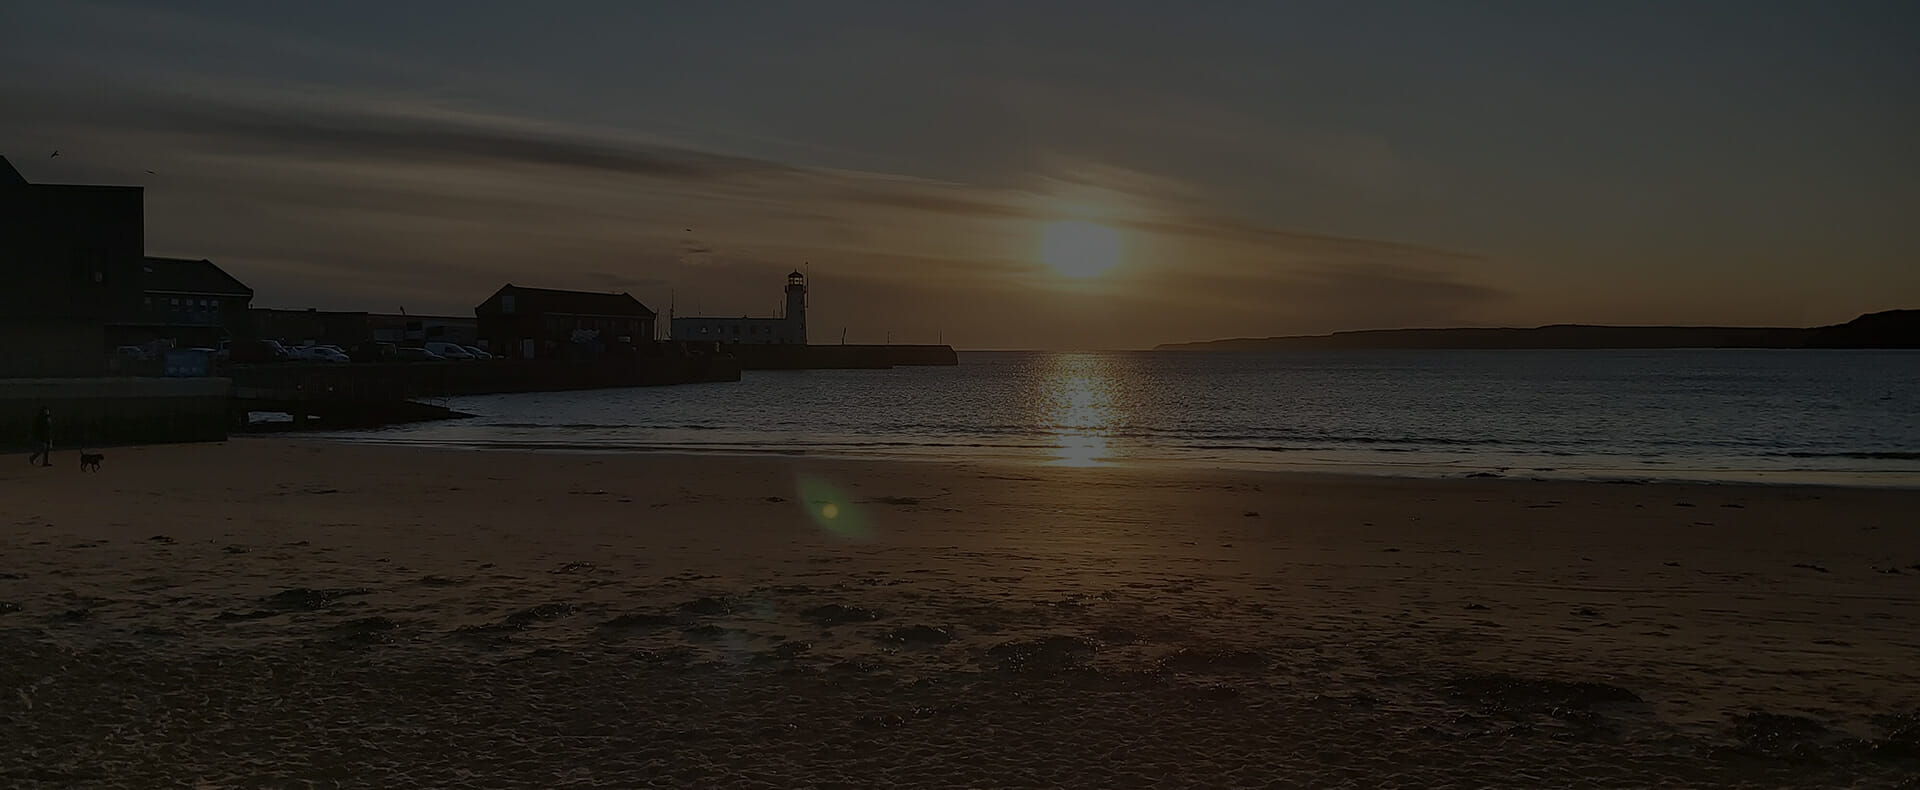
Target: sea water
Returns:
[1771, 416]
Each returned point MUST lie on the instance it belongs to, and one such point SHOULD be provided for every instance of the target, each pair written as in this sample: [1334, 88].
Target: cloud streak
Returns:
[354, 199]
[377, 130]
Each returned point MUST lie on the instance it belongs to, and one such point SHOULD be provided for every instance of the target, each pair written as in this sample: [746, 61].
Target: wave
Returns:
[598, 426]
[1172, 439]
[1865, 455]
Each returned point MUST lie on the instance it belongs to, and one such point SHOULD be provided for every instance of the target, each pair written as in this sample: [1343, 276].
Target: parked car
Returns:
[259, 351]
[453, 351]
[319, 354]
[415, 354]
[217, 355]
[478, 353]
[375, 351]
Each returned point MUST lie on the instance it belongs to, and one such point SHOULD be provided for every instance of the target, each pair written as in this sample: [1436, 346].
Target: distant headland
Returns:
[1890, 329]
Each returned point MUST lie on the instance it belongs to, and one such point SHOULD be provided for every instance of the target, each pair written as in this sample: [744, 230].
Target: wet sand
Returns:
[268, 613]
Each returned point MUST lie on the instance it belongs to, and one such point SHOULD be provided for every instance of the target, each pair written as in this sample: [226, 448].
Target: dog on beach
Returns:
[91, 461]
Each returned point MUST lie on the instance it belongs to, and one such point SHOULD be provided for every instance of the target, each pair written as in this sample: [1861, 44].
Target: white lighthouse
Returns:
[789, 329]
[797, 308]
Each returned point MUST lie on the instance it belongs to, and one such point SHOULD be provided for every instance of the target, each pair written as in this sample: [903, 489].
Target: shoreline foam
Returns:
[1603, 469]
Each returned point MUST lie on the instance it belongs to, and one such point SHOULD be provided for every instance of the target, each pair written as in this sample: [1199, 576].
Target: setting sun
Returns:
[1077, 248]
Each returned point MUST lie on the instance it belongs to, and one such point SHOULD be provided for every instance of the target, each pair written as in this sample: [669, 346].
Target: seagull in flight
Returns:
[56, 154]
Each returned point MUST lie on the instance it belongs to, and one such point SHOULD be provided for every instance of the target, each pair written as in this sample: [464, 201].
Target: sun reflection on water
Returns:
[1078, 394]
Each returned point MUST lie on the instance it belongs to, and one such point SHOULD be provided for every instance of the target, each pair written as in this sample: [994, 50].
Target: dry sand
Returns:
[268, 613]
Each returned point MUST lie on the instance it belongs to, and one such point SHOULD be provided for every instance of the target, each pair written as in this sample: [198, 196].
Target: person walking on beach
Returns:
[42, 438]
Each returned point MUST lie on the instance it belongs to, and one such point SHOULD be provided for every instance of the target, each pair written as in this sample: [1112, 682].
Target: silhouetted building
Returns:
[193, 303]
[789, 329]
[538, 323]
[417, 329]
[351, 328]
[309, 327]
[70, 257]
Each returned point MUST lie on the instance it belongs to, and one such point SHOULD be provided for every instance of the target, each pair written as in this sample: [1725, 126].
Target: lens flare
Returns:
[831, 509]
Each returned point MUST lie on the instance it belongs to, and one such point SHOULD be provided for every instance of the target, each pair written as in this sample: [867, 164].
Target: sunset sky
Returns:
[1009, 175]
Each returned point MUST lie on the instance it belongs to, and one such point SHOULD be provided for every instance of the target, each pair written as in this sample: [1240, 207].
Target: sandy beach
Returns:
[282, 613]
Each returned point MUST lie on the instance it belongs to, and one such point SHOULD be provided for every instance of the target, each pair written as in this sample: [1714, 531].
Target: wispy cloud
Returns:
[367, 128]
[418, 140]
[1319, 245]
[340, 198]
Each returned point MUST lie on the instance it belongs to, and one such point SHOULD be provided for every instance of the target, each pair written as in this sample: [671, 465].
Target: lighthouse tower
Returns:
[796, 309]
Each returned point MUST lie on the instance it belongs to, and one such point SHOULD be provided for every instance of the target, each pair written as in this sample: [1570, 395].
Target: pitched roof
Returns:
[8, 175]
[189, 276]
[548, 300]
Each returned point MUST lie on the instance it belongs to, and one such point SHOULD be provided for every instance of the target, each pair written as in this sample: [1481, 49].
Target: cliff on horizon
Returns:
[1889, 329]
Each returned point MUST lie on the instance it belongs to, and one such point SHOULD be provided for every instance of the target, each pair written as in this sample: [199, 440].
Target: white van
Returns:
[449, 350]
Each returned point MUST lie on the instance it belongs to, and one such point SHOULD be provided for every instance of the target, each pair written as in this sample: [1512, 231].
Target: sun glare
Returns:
[1077, 248]
[1081, 412]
